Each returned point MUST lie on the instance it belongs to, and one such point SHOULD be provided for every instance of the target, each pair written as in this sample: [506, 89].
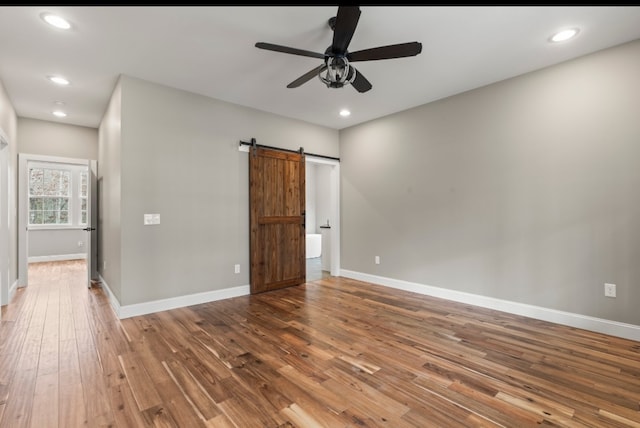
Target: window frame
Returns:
[74, 204]
[83, 174]
[58, 195]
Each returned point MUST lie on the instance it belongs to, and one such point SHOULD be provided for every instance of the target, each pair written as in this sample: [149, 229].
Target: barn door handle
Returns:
[304, 219]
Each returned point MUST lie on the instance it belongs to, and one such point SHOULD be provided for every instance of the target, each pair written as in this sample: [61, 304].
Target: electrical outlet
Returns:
[610, 290]
[237, 268]
[80, 244]
[377, 260]
[104, 265]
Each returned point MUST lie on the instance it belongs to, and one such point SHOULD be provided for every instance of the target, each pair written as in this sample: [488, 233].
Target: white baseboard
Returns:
[56, 258]
[12, 290]
[113, 300]
[613, 328]
[129, 311]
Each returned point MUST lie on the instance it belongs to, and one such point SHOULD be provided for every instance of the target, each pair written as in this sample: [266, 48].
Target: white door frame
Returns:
[92, 222]
[23, 210]
[4, 220]
[334, 184]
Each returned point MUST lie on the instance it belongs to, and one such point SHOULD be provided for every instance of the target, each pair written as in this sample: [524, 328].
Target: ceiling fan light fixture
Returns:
[564, 35]
[337, 73]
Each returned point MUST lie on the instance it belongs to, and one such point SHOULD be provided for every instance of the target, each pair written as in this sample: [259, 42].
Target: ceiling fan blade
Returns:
[386, 52]
[346, 22]
[288, 50]
[307, 76]
[360, 82]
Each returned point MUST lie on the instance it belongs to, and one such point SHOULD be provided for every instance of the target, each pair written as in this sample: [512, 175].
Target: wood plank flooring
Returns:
[330, 353]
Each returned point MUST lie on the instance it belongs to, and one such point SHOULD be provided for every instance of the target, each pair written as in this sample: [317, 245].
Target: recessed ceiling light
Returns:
[344, 112]
[564, 35]
[59, 80]
[59, 113]
[59, 103]
[56, 21]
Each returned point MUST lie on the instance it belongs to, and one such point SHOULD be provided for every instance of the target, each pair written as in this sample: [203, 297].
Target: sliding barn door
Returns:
[277, 217]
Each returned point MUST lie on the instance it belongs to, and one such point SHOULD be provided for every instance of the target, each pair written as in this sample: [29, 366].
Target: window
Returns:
[84, 177]
[49, 193]
[57, 195]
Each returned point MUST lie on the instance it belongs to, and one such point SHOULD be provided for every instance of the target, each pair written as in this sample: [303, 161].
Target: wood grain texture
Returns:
[277, 233]
[332, 353]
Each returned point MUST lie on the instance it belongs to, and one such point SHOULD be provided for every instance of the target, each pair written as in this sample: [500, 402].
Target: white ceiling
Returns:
[210, 51]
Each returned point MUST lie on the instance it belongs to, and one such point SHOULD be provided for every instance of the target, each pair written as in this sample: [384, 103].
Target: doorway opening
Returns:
[322, 186]
[318, 266]
[55, 212]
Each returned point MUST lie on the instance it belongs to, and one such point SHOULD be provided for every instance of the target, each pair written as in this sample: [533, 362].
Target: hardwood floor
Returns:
[332, 353]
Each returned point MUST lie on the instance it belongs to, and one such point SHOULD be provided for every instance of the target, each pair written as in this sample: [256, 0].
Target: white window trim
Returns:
[80, 197]
[55, 226]
[68, 196]
[74, 199]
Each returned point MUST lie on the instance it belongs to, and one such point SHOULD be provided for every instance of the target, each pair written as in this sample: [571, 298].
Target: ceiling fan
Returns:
[337, 71]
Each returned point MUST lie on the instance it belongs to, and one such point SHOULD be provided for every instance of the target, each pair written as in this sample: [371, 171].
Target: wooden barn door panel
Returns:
[277, 217]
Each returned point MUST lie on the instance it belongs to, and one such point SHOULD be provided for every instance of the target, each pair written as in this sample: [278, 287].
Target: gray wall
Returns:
[57, 242]
[8, 124]
[109, 193]
[179, 158]
[41, 137]
[526, 190]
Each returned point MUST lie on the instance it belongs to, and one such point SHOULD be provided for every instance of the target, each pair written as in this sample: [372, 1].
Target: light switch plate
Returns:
[151, 219]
